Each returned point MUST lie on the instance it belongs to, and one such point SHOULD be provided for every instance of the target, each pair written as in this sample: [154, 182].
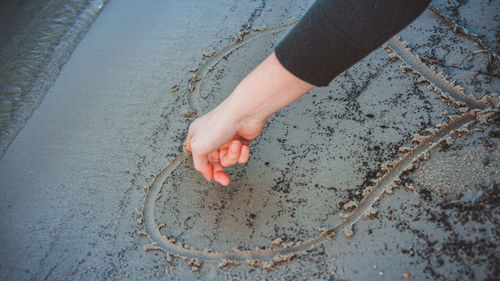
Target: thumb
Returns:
[187, 143]
[191, 132]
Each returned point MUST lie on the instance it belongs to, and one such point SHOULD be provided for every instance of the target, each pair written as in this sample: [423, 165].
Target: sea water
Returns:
[36, 39]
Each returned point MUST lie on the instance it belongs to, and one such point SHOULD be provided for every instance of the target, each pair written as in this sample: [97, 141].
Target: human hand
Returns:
[218, 141]
[221, 138]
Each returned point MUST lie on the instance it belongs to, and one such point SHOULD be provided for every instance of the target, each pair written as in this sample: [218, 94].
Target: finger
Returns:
[191, 132]
[213, 157]
[244, 154]
[220, 175]
[232, 154]
[202, 165]
[223, 151]
[187, 143]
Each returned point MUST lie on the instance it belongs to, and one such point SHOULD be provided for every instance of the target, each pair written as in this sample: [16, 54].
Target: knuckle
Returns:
[228, 163]
[195, 146]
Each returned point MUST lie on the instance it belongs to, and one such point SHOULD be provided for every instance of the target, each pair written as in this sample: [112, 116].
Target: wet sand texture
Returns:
[391, 171]
[207, 222]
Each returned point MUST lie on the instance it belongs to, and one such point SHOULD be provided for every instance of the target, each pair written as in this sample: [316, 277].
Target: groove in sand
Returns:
[267, 258]
[436, 80]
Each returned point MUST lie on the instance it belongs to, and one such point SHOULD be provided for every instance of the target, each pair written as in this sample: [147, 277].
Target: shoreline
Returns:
[20, 94]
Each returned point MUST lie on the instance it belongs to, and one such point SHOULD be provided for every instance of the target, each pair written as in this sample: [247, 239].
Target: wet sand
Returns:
[389, 173]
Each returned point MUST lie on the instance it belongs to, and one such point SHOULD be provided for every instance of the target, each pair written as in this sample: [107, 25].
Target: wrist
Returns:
[267, 89]
[238, 113]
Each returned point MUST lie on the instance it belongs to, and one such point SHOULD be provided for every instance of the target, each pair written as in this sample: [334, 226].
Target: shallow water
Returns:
[31, 35]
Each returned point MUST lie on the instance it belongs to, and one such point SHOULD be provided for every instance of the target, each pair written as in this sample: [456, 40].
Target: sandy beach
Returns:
[389, 173]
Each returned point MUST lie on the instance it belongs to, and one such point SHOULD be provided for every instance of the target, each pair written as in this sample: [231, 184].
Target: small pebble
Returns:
[406, 275]
[381, 273]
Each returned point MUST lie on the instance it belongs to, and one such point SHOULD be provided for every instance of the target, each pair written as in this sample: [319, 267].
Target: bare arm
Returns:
[332, 35]
[221, 137]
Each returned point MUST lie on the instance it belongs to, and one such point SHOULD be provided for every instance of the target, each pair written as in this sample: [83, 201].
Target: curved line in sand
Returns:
[373, 194]
[384, 183]
[194, 96]
[436, 80]
[462, 29]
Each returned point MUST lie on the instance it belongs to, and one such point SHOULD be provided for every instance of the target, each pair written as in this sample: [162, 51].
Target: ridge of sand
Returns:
[472, 111]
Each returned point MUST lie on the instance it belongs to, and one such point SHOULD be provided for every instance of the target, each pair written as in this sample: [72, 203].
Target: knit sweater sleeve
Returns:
[335, 34]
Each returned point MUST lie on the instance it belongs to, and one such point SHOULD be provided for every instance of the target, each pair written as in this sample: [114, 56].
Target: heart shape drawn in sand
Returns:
[468, 108]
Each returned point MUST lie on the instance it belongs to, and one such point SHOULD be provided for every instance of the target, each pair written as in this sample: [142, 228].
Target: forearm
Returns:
[266, 90]
[335, 34]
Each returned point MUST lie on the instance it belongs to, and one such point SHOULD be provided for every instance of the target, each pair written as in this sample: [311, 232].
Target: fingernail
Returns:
[235, 147]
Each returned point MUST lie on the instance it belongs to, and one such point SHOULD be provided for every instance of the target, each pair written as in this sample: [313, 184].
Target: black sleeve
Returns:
[335, 34]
